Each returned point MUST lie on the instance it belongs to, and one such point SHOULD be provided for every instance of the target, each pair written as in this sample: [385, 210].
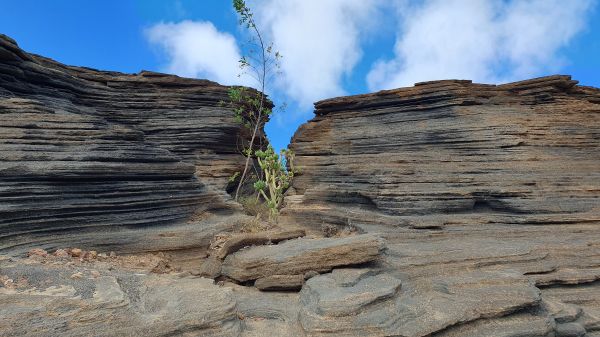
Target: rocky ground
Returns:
[350, 285]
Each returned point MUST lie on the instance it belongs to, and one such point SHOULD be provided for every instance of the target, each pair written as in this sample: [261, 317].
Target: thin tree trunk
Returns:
[260, 110]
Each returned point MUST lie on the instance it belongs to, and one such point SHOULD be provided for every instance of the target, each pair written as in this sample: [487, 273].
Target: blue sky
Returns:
[330, 47]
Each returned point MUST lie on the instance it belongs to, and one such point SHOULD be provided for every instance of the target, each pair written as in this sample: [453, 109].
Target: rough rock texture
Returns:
[51, 301]
[488, 198]
[109, 160]
[280, 282]
[296, 257]
[239, 241]
[452, 151]
[363, 303]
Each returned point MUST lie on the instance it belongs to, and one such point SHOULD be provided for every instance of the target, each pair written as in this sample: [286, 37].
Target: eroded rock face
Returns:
[487, 197]
[452, 151]
[88, 158]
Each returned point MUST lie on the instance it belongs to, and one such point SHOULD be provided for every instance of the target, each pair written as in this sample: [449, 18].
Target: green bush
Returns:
[277, 177]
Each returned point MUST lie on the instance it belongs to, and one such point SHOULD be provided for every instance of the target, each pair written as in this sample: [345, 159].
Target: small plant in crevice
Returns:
[278, 170]
[251, 107]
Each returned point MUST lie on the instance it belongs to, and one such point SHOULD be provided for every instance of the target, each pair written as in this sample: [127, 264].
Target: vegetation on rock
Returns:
[252, 109]
[277, 177]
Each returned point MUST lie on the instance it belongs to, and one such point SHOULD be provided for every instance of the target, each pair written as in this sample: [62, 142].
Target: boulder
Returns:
[298, 256]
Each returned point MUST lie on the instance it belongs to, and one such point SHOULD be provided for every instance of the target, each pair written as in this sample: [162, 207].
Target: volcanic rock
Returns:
[122, 304]
[452, 151]
[296, 257]
[239, 241]
[124, 162]
[363, 303]
[483, 194]
[280, 282]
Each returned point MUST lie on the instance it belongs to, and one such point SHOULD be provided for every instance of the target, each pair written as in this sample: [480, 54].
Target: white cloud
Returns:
[198, 49]
[319, 41]
[482, 40]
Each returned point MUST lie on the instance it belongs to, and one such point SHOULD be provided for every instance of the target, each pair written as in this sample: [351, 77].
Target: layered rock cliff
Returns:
[445, 152]
[488, 196]
[109, 160]
[481, 204]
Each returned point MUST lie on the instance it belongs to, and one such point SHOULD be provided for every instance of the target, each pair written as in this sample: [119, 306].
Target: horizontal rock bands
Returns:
[84, 152]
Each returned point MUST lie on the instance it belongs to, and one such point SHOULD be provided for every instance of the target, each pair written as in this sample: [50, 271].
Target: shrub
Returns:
[277, 177]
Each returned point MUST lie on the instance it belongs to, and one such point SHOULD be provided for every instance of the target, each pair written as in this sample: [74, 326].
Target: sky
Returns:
[330, 47]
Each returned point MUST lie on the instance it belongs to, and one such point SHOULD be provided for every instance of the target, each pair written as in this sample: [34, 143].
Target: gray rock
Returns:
[299, 256]
[110, 161]
[280, 282]
[122, 304]
[345, 292]
[572, 329]
[516, 325]
[211, 268]
[359, 303]
[239, 241]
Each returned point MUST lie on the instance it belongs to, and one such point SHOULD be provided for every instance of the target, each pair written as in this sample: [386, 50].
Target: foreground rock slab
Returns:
[295, 257]
[351, 302]
[46, 302]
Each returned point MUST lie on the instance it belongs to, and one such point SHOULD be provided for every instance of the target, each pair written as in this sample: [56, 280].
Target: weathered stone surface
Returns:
[280, 282]
[239, 241]
[302, 255]
[517, 325]
[452, 151]
[486, 196]
[211, 268]
[464, 179]
[110, 160]
[116, 303]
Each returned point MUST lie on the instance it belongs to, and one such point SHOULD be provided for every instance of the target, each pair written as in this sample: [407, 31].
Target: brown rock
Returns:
[299, 256]
[61, 253]
[76, 252]
[280, 282]
[211, 268]
[447, 152]
[113, 155]
[77, 276]
[37, 252]
[239, 241]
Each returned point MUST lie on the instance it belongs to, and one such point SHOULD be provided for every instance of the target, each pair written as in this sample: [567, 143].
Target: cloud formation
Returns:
[483, 40]
[198, 49]
[320, 42]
